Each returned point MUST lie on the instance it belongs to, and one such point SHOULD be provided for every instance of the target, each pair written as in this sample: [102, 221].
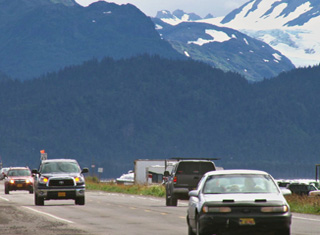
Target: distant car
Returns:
[185, 177]
[126, 179]
[59, 179]
[232, 201]
[301, 188]
[314, 193]
[3, 172]
[18, 178]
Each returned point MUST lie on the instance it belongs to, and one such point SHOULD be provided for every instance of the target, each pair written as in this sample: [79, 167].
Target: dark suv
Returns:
[59, 179]
[185, 177]
[301, 188]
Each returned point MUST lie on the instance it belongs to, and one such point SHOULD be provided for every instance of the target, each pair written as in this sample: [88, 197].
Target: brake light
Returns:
[175, 179]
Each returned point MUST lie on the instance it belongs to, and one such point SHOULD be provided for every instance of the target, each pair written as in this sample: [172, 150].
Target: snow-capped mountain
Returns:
[176, 16]
[221, 47]
[290, 26]
[179, 16]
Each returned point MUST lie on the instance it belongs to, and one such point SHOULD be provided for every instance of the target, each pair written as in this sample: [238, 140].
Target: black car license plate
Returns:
[247, 221]
[61, 194]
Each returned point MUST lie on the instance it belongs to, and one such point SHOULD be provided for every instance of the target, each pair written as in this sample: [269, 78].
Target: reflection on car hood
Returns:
[244, 198]
[19, 177]
[61, 175]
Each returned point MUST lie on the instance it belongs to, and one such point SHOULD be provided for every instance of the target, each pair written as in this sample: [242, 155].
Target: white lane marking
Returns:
[50, 215]
[5, 199]
[302, 218]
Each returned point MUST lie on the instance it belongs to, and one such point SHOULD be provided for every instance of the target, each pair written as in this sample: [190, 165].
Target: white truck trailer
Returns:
[148, 171]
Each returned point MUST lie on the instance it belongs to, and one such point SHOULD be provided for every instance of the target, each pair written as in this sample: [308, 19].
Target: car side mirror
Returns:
[166, 173]
[85, 170]
[194, 193]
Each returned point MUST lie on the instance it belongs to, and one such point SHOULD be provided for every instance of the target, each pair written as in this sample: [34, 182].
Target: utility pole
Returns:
[92, 167]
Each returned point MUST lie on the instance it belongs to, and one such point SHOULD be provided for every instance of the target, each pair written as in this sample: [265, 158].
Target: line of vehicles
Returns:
[225, 201]
[55, 179]
[220, 201]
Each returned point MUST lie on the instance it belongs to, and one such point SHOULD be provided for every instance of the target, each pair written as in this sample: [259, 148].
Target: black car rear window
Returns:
[196, 168]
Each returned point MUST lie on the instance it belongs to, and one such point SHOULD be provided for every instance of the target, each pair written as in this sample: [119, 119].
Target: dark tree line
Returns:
[112, 112]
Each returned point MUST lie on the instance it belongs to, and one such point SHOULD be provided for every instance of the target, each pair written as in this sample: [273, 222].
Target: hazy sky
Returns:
[200, 7]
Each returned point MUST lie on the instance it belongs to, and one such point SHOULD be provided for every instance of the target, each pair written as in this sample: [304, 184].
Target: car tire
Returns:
[38, 201]
[198, 229]
[168, 200]
[6, 190]
[174, 200]
[80, 201]
[190, 231]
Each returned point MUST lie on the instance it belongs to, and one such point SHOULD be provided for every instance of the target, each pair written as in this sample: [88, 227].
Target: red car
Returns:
[18, 178]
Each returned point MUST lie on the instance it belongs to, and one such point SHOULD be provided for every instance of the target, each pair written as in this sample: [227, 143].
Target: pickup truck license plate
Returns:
[247, 221]
[61, 194]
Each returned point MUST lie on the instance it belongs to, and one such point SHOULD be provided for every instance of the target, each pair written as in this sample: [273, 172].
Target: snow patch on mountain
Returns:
[217, 36]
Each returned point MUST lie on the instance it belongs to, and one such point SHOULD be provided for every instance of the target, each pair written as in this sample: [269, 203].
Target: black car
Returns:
[301, 188]
[59, 179]
[185, 177]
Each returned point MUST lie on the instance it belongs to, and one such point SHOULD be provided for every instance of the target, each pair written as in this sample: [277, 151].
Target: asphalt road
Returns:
[106, 213]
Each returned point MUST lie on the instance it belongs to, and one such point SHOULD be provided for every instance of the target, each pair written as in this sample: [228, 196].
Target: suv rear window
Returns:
[196, 168]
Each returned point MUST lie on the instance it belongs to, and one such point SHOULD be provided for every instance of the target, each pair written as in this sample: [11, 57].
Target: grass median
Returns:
[299, 204]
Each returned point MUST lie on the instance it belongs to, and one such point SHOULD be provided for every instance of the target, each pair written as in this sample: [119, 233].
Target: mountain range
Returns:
[41, 36]
[291, 27]
[139, 93]
[221, 47]
[47, 35]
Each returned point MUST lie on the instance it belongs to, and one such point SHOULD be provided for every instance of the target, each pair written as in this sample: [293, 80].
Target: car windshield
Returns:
[60, 167]
[239, 183]
[20, 172]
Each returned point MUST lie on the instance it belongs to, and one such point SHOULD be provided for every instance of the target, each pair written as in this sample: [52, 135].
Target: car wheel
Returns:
[38, 201]
[174, 200]
[168, 201]
[6, 190]
[198, 229]
[190, 231]
[80, 201]
[31, 191]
